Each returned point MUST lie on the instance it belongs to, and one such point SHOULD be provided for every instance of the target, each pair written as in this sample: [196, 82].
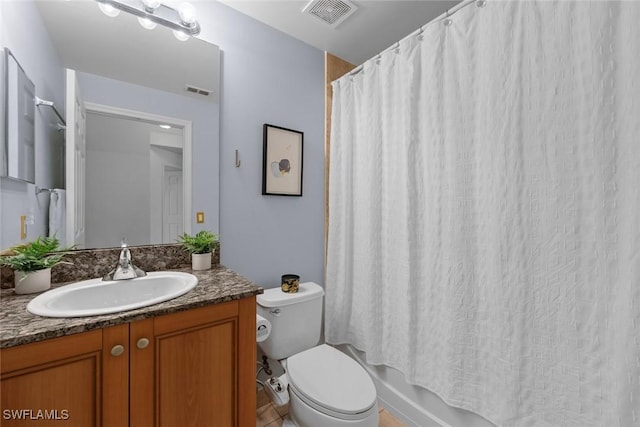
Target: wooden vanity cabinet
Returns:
[191, 368]
[64, 381]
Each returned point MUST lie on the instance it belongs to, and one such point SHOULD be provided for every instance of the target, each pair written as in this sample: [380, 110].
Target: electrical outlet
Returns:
[199, 217]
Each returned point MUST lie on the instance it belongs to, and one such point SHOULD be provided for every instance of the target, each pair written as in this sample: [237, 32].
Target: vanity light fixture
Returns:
[151, 5]
[182, 21]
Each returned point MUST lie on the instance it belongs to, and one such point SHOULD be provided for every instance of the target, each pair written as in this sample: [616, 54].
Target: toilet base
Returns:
[303, 415]
[276, 389]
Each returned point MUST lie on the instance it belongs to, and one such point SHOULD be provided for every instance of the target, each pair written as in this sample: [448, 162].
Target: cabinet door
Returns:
[60, 381]
[115, 376]
[141, 365]
[196, 368]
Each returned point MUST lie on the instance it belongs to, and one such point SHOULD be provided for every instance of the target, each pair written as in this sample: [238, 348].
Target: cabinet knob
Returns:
[142, 343]
[117, 350]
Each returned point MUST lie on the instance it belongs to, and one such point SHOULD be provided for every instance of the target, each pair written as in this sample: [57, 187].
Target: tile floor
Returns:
[269, 415]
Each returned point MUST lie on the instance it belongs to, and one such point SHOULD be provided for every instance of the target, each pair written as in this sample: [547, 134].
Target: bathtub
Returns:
[415, 406]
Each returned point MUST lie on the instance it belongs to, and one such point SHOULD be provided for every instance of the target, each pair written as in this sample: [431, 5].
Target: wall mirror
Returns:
[18, 93]
[119, 49]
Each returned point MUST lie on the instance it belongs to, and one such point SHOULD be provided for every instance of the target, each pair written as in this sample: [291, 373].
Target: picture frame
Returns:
[282, 163]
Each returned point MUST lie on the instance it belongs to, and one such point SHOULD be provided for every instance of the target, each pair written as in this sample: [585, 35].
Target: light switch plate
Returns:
[199, 217]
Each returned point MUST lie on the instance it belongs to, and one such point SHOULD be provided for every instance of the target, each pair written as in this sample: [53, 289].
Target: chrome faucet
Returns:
[125, 268]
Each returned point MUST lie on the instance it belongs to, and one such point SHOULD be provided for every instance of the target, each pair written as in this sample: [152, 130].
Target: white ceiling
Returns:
[376, 25]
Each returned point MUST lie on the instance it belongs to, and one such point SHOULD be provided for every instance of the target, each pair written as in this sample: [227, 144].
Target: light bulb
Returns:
[151, 5]
[146, 23]
[109, 10]
[181, 35]
[187, 14]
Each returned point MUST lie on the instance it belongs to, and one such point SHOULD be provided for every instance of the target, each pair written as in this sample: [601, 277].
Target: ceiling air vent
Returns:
[331, 12]
[198, 90]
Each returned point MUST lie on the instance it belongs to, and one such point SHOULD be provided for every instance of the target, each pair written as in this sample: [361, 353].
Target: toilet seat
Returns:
[332, 383]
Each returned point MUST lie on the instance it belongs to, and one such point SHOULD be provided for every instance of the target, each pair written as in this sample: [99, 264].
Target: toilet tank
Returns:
[295, 319]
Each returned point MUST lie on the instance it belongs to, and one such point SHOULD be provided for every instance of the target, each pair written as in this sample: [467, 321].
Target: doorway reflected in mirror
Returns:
[134, 178]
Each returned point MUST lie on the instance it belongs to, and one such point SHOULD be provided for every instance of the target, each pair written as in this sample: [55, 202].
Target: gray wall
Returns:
[22, 30]
[267, 77]
[117, 181]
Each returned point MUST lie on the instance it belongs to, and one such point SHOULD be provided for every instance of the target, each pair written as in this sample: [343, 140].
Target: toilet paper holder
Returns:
[263, 328]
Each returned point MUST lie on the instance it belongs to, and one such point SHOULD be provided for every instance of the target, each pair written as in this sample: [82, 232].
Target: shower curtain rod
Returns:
[447, 14]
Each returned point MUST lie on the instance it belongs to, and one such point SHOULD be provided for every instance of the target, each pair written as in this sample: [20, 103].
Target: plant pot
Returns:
[33, 281]
[201, 261]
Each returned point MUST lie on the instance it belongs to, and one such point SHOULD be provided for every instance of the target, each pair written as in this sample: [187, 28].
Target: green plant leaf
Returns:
[201, 243]
[43, 252]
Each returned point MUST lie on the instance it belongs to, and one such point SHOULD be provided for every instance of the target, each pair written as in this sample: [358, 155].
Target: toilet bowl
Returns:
[326, 387]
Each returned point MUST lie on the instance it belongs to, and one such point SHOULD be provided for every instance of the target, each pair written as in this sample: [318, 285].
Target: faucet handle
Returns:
[125, 257]
[125, 268]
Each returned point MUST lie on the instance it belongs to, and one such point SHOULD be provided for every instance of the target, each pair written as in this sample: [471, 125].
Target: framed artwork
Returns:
[282, 161]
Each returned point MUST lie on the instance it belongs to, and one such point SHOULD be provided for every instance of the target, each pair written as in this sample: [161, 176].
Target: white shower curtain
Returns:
[484, 218]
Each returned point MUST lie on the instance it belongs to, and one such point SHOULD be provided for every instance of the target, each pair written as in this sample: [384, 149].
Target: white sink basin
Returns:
[94, 297]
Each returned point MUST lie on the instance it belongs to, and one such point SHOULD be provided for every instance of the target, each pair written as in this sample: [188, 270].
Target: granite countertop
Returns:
[18, 326]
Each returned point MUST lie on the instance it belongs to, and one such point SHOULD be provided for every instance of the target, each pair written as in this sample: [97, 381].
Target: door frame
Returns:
[75, 161]
[165, 171]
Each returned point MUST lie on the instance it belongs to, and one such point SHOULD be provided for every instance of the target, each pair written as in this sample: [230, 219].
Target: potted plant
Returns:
[32, 263]
[201, 247]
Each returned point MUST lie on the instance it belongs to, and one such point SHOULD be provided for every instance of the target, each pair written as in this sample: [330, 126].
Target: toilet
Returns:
[325, 387]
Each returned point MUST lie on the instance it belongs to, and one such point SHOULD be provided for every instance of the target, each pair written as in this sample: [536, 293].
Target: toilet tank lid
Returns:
[274, 297]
